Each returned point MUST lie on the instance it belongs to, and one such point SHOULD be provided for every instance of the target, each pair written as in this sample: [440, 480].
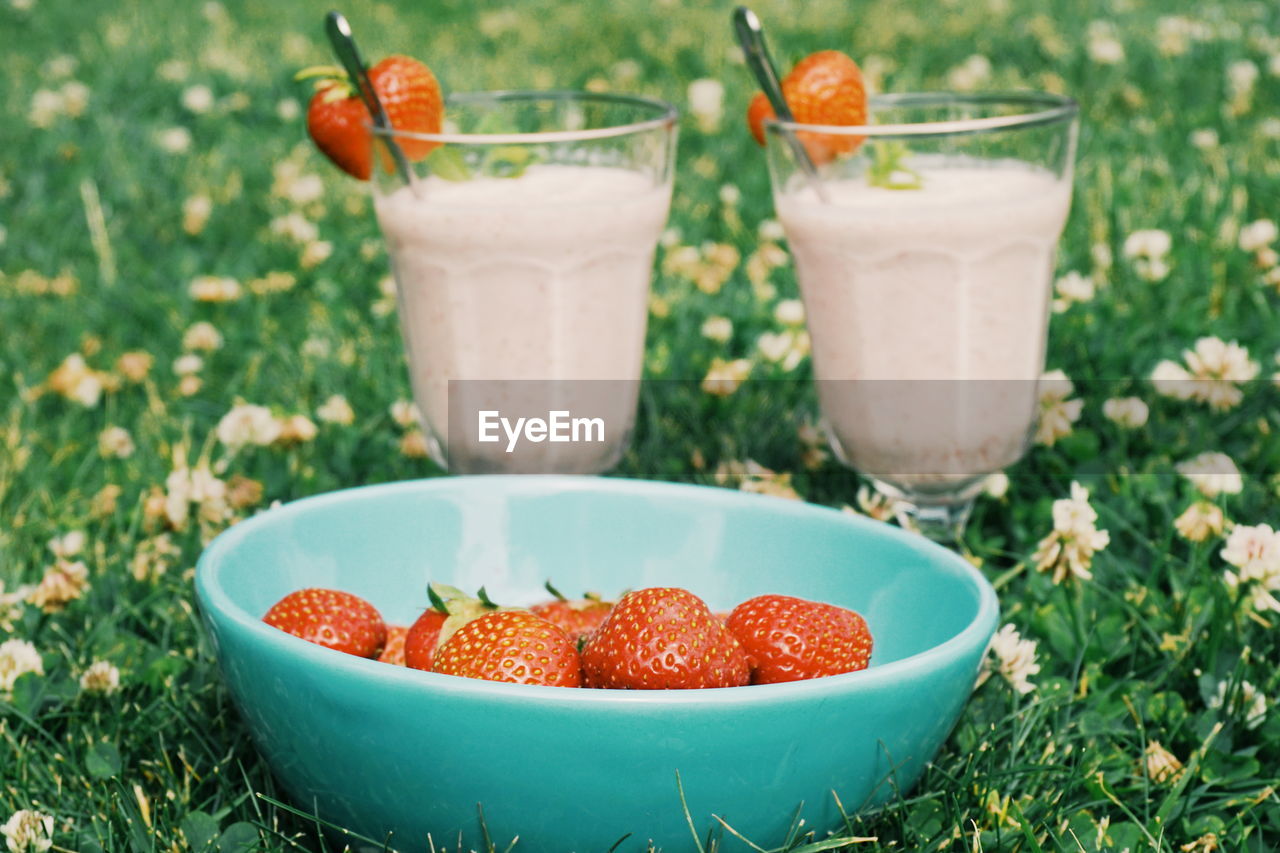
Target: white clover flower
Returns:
[17, 658]
[315, 253]
[75, 98]
[101, 677]
[62, 583]
[296, 228]
[115, 442]
[174, 140]
[1213, 474]
[725, 376]
[68, 544]
[46, 107]
[1204, 139]
[199, 486]
[1248, 702]
[195, 213]
[1104, 46]
[28, 831]
[1068, 550]
[1214, 371]
[1258, 235]
[247, 424]
[1015, 659]
[1241, 76]
[336, 410]
[305, 189]
[62, 65]
[1071, 289]
[773, 346]
[1057, 412]
[1128, 412]
[789, 312]
[405, 413]
[188, 364]
[198, 99]
[202, 336]
[730, 195]
[1162, 766]
[1269, 128]
[771, 231]
[970, 74]
[706, 103]
[11, 605]
[875, 504]
[1255, 552]
[212, 288]
[1149, 243]
[718, 329]
[996, 485]
[1200, 521]
[288, 109]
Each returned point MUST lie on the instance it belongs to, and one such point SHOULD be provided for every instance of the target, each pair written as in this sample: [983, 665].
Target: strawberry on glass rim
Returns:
[338, 121]
[824, 88]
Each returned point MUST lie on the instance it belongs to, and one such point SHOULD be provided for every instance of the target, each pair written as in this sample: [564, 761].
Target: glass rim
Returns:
[665, 116]
[1041, 108]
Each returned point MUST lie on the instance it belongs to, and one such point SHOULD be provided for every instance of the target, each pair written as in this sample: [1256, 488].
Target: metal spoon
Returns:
[750, 34]
[344, 45]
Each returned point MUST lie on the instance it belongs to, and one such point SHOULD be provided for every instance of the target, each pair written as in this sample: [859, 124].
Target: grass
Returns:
[96, 260]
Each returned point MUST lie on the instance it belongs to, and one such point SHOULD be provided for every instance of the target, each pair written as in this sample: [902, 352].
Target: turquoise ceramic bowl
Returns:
[386, 750]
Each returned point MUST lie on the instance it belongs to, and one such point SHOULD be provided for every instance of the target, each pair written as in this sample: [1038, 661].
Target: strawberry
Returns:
[393, 651]
[662, 638]
[513, 646]
[576, 617]
[450, 609]
[333, 619]
[823, 88]
[790, 639]
[338, 120]
[422, 639]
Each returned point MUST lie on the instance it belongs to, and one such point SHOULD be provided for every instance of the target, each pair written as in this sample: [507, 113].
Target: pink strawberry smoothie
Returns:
[928, 310]
[544, 276]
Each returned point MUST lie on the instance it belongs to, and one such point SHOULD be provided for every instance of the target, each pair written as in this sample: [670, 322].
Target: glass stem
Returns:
[943, 523]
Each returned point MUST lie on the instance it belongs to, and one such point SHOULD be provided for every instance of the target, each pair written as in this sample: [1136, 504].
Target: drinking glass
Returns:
[521, 238]
[924, 249]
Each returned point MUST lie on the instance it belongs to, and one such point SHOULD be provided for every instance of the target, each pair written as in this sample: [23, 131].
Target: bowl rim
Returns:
[216, 603]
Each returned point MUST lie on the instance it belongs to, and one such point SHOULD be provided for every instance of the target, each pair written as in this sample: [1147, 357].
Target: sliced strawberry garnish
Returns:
[824, 88]
[338, 120]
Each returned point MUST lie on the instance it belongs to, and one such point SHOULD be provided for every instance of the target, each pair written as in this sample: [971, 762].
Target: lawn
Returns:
[171, 246]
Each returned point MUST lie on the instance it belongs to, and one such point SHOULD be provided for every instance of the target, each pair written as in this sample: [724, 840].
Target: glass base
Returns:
[940, 516]
[943, 523]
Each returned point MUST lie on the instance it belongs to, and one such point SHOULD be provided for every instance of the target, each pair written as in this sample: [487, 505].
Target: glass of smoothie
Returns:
[924, 248]
[522, 246]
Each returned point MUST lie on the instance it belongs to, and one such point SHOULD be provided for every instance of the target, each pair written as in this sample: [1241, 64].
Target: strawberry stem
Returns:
[559, 596]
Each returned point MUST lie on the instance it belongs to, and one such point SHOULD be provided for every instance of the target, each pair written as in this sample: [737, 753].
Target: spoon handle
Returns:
[750, 34]
[344, 45]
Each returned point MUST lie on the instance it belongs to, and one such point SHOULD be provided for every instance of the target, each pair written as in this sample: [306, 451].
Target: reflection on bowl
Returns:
[383, 749]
